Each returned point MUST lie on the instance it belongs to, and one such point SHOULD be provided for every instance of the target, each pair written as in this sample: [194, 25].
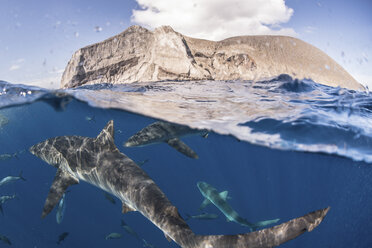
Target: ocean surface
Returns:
[281, 147]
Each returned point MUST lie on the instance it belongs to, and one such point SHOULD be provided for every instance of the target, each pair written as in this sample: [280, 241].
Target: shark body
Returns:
[99, 162]
[169, 133]
[220, 201]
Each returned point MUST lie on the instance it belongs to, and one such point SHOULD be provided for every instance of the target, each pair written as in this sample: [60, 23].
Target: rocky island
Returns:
[141, 55]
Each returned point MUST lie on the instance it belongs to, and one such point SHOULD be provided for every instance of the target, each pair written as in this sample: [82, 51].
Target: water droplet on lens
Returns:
[97, 29]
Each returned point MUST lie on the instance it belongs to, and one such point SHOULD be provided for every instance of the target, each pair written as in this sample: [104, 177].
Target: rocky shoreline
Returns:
[140, 55]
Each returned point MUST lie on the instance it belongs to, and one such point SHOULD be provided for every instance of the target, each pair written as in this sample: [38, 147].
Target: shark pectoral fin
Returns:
[224, 194]
[205, 135]
[107, 133]
[182, 148]
[127, 209]
[205, 203]
[61, 182]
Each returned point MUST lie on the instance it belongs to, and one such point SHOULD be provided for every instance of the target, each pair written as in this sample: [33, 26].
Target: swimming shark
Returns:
[220, 201]
[169, 133]
[99, 162]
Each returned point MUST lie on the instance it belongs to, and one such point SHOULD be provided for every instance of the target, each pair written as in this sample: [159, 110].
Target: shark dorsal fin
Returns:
[223, 195]
[107, 133]
[61, 182]
[182, 148]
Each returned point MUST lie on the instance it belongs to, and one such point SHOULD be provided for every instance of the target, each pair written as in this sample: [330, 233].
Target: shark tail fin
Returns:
[21, 177]
[268, 237]
[15, 155]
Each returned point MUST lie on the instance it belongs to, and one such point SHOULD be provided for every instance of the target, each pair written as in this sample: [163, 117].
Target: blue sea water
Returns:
[281, 147]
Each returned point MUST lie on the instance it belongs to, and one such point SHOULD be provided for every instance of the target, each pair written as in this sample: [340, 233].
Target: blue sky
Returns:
[38, 37]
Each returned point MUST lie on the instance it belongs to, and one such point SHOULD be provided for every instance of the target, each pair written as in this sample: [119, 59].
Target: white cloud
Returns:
[215, 19]
[14, 67]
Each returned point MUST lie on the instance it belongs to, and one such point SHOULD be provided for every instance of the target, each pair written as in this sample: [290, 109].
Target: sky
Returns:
[37, 38]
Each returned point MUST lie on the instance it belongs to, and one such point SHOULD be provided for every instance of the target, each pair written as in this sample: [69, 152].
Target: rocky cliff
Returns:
[138, 54]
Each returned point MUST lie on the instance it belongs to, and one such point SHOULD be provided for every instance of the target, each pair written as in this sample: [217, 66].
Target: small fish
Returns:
[61, 209]
[7, 156]
[62, 237]
[5, 239]
[204, 216]
[90, 118]
[3, 120]
[110, 198]
[4, 199]
[113, 236]
[145, 244]
[141, 162]
[10, 179]
[129, 230]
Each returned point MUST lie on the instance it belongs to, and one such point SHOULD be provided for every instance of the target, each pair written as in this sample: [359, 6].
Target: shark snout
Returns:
[201, 185]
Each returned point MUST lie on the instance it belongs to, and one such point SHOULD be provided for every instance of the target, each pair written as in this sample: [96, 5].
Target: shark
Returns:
[169, 133]
[99, 162]
[211, 195]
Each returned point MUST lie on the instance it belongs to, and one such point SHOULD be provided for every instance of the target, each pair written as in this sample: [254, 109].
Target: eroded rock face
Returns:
[138, 54]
